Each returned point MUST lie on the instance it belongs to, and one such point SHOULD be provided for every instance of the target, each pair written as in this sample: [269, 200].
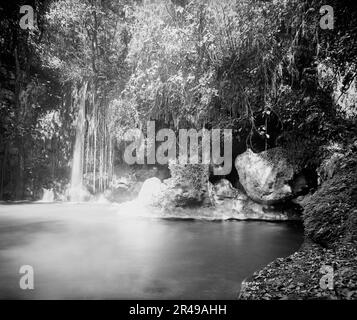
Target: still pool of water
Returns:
[92, 251]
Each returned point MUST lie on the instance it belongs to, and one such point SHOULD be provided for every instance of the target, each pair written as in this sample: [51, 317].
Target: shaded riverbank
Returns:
[298, 276]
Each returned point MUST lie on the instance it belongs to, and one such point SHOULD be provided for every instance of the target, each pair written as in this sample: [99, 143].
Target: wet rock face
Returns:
[234, 203]
[187, 187]
[224, 189]
[218, 201]
[183, 195]
[160, 172]
[265, 176]
[123, 190]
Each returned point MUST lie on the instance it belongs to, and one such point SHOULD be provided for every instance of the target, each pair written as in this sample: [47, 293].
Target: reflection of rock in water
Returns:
[86, 251]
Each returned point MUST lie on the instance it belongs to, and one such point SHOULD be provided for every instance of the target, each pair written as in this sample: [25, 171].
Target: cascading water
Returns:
[93, 150]
[77, 191]
[48, 195]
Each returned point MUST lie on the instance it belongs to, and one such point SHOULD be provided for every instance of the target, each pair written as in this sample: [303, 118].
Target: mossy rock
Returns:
[330, 214]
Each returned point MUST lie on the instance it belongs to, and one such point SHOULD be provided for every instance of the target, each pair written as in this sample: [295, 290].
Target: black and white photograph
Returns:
[199, 151]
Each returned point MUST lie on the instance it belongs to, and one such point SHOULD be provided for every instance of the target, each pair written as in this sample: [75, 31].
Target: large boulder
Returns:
[265, 176]
[151, 191]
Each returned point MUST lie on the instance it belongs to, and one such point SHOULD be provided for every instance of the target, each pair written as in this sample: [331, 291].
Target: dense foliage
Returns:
[34, 129]
[330, 214]
[263, 68]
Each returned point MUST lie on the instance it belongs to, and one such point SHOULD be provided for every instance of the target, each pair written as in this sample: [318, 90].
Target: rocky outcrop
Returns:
[241, 207]
[160, 172]
[330, 246]
[265, 176]
[170, 194]
[183, 195]
[214, 202]
[123, 191]
[223, 189]
[298, 277]
[151, 191]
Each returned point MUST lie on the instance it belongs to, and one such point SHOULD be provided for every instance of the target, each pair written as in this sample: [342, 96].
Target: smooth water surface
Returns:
[92, 251]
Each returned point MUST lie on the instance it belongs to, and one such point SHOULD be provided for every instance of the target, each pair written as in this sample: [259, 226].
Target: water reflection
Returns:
[88, 251]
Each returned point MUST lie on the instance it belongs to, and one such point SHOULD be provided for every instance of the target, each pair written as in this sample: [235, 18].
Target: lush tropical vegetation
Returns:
[266, 69]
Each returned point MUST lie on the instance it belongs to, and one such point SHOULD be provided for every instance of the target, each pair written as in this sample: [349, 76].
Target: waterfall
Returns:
[99, 147]
[77, 191]
[93, 153]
